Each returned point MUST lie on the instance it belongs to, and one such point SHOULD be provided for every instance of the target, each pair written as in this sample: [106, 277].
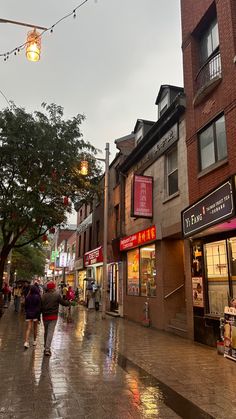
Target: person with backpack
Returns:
[32, 313]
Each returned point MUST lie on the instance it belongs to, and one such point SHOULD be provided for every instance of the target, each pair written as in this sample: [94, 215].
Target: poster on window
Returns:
[133, 272]
[230, 333]
[197, 285]
[142, 197]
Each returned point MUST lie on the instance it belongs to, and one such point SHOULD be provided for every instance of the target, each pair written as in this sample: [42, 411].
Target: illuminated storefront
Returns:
[141, 263]
[210, 224]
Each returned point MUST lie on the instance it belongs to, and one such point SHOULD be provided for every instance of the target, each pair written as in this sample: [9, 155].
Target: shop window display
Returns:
[148, 271]
[141, 270]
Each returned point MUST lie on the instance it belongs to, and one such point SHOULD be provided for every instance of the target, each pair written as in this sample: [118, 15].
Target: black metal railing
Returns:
[209, 71]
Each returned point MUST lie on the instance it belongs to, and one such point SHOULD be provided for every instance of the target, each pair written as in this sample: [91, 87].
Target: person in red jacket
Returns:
[5, 291]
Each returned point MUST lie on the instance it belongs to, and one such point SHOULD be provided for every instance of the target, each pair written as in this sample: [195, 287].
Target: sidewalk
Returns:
[111, 369]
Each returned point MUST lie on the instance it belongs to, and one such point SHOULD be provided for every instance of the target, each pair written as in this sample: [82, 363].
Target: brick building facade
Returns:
[209, 61]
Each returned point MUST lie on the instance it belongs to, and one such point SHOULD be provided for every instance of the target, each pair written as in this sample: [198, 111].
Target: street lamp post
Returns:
[105, 229]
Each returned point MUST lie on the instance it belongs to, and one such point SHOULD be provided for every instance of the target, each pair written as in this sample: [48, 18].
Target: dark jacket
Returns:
[50, 303]
[33, 304]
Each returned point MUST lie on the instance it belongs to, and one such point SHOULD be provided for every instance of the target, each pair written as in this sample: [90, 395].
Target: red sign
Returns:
[138, 239]
[95, 256]
[142, 197]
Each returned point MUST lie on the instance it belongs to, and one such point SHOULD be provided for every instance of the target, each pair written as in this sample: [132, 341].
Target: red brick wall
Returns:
[221, 99]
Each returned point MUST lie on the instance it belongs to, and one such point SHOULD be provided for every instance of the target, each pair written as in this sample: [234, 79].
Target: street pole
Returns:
[105, 227]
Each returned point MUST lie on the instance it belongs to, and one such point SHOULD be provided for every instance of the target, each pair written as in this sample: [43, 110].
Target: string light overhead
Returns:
[33, 42]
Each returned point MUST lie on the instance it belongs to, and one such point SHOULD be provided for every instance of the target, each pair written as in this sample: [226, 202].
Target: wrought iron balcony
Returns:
[208, 76]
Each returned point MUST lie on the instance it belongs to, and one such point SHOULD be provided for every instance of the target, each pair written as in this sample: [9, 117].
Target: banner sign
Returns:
[138, 239]
[197, 285]
[230, 333]
[214, 208]
[95, 256]
[142, 197]
[63, 260]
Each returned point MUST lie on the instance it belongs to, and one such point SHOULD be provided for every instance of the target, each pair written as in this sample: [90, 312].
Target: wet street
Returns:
[111, 369]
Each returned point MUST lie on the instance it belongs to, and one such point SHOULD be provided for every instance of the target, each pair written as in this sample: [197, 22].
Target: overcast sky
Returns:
[108, 63]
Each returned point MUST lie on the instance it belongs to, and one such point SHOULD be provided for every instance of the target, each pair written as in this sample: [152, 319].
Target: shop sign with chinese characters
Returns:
[138, 239]
[214, 208]
[142, 197]
[95, 256]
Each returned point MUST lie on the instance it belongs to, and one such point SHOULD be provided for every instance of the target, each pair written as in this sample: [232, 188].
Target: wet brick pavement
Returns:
[111, 369]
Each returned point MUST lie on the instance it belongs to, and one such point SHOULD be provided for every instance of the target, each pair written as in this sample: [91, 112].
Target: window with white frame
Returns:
[172, 171]
[209, 42]
[212, 143]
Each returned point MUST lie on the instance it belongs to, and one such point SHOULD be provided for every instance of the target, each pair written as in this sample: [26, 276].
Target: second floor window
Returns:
[172, 171]
[209, 42]
[212, 143]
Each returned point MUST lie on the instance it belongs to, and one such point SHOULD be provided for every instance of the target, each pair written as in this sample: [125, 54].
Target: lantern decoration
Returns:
[33, 47]
[66, 200]
[44, 237]
[42, 188]
[54, 174]
[52, 230]
[84, 167]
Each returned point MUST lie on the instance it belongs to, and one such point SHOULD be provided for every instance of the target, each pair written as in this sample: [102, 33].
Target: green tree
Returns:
[28, 261]
[40, 155]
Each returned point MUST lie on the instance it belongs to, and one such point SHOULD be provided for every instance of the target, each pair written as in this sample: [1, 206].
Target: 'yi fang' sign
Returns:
[214, 208]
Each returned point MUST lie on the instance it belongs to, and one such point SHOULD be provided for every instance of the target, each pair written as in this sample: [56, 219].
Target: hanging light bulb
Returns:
[84, 167]
[33, 47]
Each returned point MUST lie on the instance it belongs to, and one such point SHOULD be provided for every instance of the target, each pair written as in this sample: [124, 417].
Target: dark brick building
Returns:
[209, 60]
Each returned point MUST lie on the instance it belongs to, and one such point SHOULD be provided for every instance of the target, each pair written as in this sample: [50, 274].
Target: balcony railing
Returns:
[209, 72]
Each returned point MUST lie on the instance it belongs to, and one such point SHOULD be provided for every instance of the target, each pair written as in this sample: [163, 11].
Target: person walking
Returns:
[50, 306]
[5, 291]
[32, 313]
[17, 292]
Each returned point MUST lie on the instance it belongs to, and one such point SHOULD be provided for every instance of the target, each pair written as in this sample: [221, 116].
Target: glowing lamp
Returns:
[33, 47]
[84, 168]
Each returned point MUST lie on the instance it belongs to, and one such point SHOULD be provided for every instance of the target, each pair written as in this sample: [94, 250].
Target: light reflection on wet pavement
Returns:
[94, 372]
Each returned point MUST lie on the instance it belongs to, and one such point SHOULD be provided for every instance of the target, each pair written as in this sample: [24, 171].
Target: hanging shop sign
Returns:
[63, 260]
[214, 208]
[142, 197]
[138, 239]
[95, 256]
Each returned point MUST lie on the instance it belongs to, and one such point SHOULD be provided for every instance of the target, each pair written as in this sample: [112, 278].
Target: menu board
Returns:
[230, 333]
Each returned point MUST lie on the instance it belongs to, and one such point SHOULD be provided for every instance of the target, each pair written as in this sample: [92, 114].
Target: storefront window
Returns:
[148, 271]
[232, 261]
[133, 272]
[217, 276]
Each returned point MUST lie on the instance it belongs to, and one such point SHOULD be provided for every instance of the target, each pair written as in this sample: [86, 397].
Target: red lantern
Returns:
[52, 230]
[66, 200]
[44, 237]
[54, 174]
[42, 188]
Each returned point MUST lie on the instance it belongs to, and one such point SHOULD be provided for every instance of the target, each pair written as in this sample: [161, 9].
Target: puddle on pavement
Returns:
[151, 392]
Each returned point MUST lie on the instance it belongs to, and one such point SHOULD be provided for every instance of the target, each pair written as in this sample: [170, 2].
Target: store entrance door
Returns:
[113, 276]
